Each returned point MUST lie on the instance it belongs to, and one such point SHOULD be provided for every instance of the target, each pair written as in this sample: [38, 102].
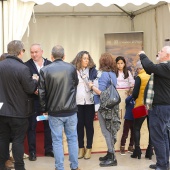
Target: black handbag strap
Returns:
[111, 80]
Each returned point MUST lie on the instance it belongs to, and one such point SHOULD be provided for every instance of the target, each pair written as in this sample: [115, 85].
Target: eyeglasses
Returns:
[23, 50]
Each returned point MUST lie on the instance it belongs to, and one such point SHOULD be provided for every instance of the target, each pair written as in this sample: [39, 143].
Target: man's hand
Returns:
[36, 92]
[35, 77]
[141, 52]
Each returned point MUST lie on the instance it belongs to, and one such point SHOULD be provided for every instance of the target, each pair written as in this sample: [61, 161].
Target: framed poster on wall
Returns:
[125, 44]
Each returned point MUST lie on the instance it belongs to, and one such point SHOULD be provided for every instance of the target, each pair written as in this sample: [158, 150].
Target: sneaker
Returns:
[122, 150]
[130, 149]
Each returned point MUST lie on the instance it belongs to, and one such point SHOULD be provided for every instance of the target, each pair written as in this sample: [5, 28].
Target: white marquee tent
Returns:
[81, 24]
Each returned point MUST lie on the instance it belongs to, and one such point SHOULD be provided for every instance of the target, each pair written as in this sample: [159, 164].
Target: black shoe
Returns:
[149, 152]
[111, 161]
[104, 158]
[136, 153]
[49, 154]
[32, 156]
[152, 166]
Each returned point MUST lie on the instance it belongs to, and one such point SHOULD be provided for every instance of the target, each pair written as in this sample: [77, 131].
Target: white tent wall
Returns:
[77, 33]
[74, 33]
[146, 22]
[154, 24]
[163, 22]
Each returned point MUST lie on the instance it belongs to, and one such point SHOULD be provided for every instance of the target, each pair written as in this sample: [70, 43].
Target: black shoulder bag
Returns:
[110, 97]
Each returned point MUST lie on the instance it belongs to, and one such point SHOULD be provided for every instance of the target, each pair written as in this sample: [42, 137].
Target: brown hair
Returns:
[77, 60]
[3, 56]
[106, 62]
[15, 47]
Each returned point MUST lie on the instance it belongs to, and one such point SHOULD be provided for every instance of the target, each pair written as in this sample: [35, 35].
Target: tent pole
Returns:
[2, 26]
[131, 15]
[156, 26]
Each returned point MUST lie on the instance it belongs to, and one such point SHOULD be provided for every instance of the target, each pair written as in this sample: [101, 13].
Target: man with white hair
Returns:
[35, 64]
[159, 105]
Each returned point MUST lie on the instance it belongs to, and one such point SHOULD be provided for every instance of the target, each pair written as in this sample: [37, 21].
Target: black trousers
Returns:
[85, 120]
[17, 127]
[137, 127]
[31, 134]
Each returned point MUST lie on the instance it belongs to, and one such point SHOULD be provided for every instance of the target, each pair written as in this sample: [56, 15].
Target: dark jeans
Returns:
[17, 127]
[85, 120]
[159, 120]
[137, 126]
[128, 125]
[31, 134]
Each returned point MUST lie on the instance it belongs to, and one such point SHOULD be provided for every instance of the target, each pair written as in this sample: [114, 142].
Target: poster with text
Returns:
[127, 45]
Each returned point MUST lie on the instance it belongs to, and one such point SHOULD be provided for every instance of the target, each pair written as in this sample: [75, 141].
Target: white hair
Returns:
[37, 44]
[139, 65]
[167, 48]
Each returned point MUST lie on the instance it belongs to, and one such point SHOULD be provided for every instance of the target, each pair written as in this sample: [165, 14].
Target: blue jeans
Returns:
[69, 124]
[159, 119]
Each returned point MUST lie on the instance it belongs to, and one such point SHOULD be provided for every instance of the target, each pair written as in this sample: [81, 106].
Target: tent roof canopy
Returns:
[92, 2]
[94, 7]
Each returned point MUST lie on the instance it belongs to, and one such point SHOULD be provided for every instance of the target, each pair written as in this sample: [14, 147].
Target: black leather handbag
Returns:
[110, 96]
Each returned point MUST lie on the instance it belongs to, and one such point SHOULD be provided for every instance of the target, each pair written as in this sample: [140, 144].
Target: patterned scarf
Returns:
[150, 93]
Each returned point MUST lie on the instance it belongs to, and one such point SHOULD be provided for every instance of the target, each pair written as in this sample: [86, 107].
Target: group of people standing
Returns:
[151, 88]
[67, 93]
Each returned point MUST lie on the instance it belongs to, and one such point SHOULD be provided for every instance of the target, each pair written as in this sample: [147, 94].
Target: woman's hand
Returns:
[91, 84]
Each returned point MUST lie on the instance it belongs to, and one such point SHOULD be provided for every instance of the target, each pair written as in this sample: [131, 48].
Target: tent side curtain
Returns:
[1, 30]
[92, 2]
[16, 20]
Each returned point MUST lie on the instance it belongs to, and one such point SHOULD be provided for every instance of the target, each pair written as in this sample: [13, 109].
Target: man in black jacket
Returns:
[35, 64]
[159, 114]
[57, 92]
[16, 85]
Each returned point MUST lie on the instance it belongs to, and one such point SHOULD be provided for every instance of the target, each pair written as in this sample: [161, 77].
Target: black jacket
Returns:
[161, 80]
[57, 88]
[16, 84]
[30, 63]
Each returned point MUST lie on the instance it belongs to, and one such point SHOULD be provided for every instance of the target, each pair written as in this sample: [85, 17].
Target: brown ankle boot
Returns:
[122, 150]
[81, 153]
[87, 154]
[130, 149]
[9, 164]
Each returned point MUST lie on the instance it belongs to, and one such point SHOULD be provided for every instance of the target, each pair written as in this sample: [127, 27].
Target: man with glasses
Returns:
[16, 85]
[158, 103]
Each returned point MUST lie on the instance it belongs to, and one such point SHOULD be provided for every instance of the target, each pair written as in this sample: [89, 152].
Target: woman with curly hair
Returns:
[86, 72]
[107, 67]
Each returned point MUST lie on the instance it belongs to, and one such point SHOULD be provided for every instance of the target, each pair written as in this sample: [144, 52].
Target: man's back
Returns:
[15, 85]
[60, 80]
[57, 92]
